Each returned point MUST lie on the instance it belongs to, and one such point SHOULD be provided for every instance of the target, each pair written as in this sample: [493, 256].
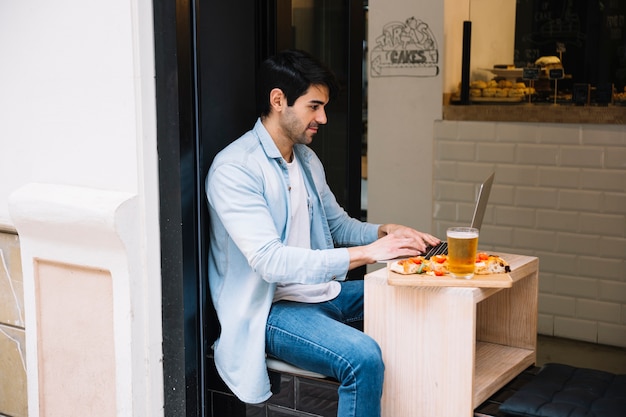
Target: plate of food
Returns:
[510, 73]
[490, 271]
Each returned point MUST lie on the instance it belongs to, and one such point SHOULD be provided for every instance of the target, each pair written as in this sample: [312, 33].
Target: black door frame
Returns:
[173, 34]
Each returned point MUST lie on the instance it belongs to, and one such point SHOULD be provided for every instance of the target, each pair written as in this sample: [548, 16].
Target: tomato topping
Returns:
[482, 257]
[438, 273]
[439, 259]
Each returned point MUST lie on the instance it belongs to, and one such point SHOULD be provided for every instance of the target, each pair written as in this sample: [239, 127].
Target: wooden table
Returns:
[447, 349]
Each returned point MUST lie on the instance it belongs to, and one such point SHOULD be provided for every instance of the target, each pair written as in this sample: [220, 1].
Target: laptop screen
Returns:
[477, 218]
[481, 201]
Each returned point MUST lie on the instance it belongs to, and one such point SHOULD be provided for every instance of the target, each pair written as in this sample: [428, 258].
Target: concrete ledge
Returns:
[86, 238]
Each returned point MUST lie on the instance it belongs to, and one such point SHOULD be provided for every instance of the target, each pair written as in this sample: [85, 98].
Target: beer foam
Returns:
[462, 235]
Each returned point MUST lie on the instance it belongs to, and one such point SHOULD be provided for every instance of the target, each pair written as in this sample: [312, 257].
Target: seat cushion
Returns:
[566, 391]
[280, 366]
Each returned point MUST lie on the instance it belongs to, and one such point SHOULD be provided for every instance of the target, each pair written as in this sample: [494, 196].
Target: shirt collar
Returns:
[270, 148]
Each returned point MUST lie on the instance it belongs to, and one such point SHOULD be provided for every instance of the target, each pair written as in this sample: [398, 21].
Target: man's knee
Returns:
[367, 358]
[375, 357]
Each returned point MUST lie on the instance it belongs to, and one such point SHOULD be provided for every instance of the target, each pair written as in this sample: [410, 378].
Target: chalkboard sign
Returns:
[604, 93]
[530, 73]
[580, 94]
[556, 74]
[588, 35]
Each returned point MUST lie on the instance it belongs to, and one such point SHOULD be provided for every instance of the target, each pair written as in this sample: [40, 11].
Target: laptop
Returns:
[477, 218]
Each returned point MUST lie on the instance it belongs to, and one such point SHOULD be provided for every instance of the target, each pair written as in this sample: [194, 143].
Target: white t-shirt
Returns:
[300, 236]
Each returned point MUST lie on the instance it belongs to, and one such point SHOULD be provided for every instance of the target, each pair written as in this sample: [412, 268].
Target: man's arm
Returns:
[394, 241]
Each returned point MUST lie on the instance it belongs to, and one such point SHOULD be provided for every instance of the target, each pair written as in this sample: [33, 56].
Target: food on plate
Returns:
[478, 84]
[437, 265]
[492, 84]
[548, 62]
[490, 264]
[420, 265]
[502, 92]
[495, 89]
[517, 92]
[408, 266]
[620, 97]
[490, 92]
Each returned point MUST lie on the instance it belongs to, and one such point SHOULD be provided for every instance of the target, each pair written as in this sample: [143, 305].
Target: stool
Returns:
[280, 366]
[276, 368]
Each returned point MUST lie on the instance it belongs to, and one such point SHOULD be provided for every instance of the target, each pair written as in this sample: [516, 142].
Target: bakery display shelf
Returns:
[492, 100]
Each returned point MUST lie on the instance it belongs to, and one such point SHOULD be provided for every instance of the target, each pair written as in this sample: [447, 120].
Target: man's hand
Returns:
[420, 240]
[394, 241]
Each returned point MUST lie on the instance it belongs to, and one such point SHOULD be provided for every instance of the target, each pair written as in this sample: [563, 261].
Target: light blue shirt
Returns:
[247, 189]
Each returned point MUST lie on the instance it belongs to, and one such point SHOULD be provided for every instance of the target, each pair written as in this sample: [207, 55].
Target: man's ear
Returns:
[277, 99]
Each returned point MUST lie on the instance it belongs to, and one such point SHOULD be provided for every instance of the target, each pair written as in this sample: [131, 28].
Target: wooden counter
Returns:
[536, 113]
[448, 349]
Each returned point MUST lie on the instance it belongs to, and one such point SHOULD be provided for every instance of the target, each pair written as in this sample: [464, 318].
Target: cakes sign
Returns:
[406, 49]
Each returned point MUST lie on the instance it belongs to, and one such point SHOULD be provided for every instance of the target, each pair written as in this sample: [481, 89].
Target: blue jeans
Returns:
[318, 337]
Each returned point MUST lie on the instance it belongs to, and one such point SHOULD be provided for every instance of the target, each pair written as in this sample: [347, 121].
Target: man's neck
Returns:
[284, 145]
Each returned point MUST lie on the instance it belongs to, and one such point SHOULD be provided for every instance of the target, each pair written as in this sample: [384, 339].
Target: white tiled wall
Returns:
[559, 194]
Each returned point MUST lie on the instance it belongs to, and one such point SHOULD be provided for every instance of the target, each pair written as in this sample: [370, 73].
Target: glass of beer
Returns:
[462, 246]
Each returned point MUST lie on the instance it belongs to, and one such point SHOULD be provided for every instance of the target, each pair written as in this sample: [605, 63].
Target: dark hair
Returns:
[293, 71]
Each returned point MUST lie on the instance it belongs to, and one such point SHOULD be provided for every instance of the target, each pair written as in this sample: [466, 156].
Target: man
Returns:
[281, 246]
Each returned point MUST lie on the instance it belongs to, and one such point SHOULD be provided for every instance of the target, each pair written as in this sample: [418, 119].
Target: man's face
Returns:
[301, 120]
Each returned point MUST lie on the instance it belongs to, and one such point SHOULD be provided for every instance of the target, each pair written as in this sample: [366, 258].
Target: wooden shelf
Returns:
[496, 365]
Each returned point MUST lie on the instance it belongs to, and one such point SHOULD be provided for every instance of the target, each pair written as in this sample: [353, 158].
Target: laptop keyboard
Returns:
[440, 249]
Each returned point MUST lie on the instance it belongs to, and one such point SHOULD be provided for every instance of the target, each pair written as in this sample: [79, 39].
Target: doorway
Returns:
[207, 54]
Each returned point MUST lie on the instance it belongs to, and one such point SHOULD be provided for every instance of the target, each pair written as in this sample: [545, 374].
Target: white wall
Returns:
[455, 12]
[401, 111]
[492, 38]
[74, 80]
[403, 108]
[559, 194]
[77, 126]
[493, 35]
